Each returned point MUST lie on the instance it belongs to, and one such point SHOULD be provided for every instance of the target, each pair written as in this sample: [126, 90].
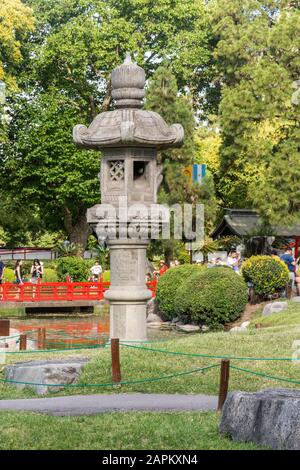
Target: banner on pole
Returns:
[196, 172]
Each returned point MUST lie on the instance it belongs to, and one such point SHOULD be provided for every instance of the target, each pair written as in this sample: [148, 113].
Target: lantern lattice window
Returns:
[116, 170]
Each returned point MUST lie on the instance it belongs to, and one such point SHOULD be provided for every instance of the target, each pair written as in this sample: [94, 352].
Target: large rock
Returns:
[153, 318]
[64, 372]
[152, 308]
[274, 307]
[188, 328]
[270, 418]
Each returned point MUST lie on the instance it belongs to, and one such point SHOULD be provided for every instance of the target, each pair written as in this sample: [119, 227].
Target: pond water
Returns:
[85, 330]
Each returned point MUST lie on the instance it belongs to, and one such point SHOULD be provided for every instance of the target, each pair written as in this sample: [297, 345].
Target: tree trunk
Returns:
[77, 231]
[168, 254]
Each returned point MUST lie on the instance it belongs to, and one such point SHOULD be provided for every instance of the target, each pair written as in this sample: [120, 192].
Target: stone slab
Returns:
[188, 328]
[274, 307]
[64, 371]
[269, 418]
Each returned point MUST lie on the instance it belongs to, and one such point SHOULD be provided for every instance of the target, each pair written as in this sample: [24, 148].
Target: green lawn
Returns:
[141, 364]
[115, 431]
[288, 317]
[158, 430]
[9, 312]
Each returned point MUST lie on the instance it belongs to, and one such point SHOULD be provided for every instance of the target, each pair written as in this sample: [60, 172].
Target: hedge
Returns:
[212, 297]
[168, 285]
[77, 268]
[50, 275]
[267, 274]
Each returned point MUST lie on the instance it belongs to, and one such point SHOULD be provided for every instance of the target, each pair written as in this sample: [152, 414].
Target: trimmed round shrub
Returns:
[212, 297]
[267, 274]
[168, 285]
[50, 275]
[77, 268]
[9, 275]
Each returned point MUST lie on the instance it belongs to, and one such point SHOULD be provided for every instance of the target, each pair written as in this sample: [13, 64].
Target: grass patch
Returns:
[288, 317]
[115, 431]
[139, 364]
[9, 312]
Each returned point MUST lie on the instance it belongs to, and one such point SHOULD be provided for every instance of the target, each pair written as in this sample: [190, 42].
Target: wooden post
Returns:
[115, 360]
[41, 338]
[23, 342]
[4, 327]
[224, 380]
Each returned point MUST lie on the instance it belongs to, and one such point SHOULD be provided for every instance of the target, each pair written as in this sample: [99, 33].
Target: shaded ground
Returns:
[247, 315]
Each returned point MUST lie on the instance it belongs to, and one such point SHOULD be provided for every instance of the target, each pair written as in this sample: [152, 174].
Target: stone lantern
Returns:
[128, 138]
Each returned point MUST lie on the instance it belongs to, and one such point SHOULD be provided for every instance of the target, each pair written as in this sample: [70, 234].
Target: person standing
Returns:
[18, 272]
[96, 271]
[2, 269]
[163, 268]
[36, 271]
[290, 262]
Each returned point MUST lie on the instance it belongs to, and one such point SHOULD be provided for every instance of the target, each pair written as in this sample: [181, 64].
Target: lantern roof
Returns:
[128, 125]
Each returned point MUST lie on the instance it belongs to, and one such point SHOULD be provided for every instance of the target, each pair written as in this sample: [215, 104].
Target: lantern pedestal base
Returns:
[128, 293]
[128, 321]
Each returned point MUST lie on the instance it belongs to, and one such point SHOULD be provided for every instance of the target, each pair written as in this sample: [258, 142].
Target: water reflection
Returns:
[72, 332]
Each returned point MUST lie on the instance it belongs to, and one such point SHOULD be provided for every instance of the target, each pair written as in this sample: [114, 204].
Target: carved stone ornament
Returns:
[128, 125]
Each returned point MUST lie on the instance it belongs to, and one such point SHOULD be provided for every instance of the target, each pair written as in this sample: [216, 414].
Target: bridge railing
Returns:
[57, 291]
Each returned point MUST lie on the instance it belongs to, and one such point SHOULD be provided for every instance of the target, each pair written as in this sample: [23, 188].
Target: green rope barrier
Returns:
[110, 384]
[4, 338]
[177, 353]
[260, 374]
[53, 341]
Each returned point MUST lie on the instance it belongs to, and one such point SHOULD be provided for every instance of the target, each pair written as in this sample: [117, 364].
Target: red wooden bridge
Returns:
[58, 291]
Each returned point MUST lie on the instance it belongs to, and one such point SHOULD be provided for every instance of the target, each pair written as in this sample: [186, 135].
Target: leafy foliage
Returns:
[256, 53]
[50, 275]
[65, 81]
[76, 268]
[168, 285]
[211, 297]
[267, 274]
[16, 22]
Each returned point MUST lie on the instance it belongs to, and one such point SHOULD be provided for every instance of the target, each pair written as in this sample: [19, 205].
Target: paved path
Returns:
[77, 405]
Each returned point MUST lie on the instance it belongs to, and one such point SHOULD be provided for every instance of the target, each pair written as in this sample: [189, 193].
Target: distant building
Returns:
[26, 253]
[243, 222]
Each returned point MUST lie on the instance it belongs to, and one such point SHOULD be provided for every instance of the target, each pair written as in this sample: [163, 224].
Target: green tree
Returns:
[163, 97]
[65, 80]
[16, 21]
[256, 54]
[46, 170]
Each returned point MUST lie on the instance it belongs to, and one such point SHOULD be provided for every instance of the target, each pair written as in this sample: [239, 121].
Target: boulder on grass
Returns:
[62, 371]
[274, 307]
[188, 328]
[153, 318]
[152, 309]
[270, 418]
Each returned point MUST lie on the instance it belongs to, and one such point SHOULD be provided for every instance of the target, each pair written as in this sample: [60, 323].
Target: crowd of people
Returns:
[233, 260]
[162, 269]
[36, 271]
